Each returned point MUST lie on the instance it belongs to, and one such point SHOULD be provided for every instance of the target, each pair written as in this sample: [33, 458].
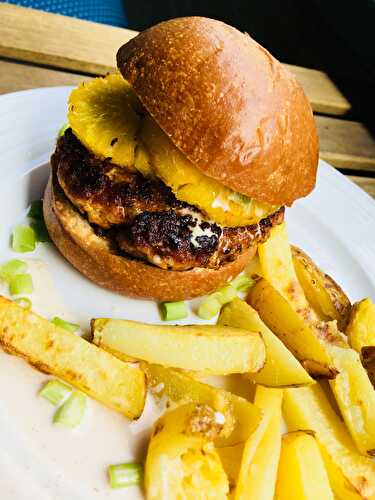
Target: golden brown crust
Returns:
[230, 106]
[92, 256]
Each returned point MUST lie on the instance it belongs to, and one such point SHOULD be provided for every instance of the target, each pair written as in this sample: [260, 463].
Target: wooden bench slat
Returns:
[15, 76]
[55, 40]
[64, 42]
[366, 183]
[346, 144]
[321, 90]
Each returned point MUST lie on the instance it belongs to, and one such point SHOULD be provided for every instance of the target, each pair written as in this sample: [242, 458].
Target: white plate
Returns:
[335, 225]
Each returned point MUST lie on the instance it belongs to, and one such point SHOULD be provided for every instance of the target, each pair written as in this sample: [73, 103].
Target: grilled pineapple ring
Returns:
[107, 118]
[103, 115]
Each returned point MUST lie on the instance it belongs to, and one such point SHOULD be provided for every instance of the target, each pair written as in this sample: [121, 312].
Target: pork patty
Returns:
[108, 194]
[144, 217]
[181, 240]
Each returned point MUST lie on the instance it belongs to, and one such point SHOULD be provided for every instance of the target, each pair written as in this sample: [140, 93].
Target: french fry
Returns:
[326, 297]
[281, 367]
[206, 348]
[351, 475]
[293, 330]
[241, 417]
[361, 327]
[258, 471]
[301, 474]
[181, 460]
[54, 350]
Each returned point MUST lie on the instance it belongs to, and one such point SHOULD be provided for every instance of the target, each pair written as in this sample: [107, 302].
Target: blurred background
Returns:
[331, 35]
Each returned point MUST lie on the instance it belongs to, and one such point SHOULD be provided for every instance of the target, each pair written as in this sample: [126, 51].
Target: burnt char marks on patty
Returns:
[180, 241]
[167, 239]
[142, 217]
[106, 193]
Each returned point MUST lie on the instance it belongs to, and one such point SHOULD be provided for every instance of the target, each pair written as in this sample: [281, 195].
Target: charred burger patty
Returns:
[143, 216]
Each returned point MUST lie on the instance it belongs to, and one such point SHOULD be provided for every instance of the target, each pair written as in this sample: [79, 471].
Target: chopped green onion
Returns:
[62, 129]
[239, 198]
[24, 302]
[70, 414]
[40, 230]
[55, 391]
[173, 310]
[11, 268]
[23, 239]
[36, 210]
[71, 327]
[226, 294]
[123, 475]
[242, 283]
[21, 283]
[209, 307]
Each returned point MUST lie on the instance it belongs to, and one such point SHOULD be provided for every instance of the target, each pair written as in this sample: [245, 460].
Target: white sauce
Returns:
[105, 437]
[196, 232]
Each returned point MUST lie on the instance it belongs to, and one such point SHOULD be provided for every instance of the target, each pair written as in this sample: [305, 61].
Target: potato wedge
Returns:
[355, 397]
[206, 348]
[361, 334]
[293, 330]
[258, 471]
[54, 350]
[181, 460]
[241, 417]
[351, 475]
[301, 475]
[368, 361]
[361, 327]
[277, 268]
[281, 367]
[326, 297]
[350, 383]
[230, 457]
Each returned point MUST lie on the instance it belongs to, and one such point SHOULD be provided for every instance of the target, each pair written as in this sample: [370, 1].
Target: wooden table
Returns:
[39, 49]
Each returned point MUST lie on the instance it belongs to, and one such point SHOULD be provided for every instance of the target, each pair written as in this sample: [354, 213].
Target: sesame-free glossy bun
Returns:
[93, 257]
[231, 108]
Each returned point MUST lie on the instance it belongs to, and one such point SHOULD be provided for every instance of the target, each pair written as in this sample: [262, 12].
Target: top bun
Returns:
[227, 104]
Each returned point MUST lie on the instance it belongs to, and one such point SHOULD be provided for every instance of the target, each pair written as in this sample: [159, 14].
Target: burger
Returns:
[174, 169]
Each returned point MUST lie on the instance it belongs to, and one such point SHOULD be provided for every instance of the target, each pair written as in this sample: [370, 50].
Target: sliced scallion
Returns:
[20, 284]
[71, 413]
[36, 210]
[55, 391]
[242, 283]
[226, 294]
[23, 239]
[173, 310]
[70, 327]
[209, 307]
[40, 230]
[24, 302]
[11, 268]
[124, 475]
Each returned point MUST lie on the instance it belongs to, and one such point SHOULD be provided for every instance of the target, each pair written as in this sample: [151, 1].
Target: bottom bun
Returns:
[93, 257]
